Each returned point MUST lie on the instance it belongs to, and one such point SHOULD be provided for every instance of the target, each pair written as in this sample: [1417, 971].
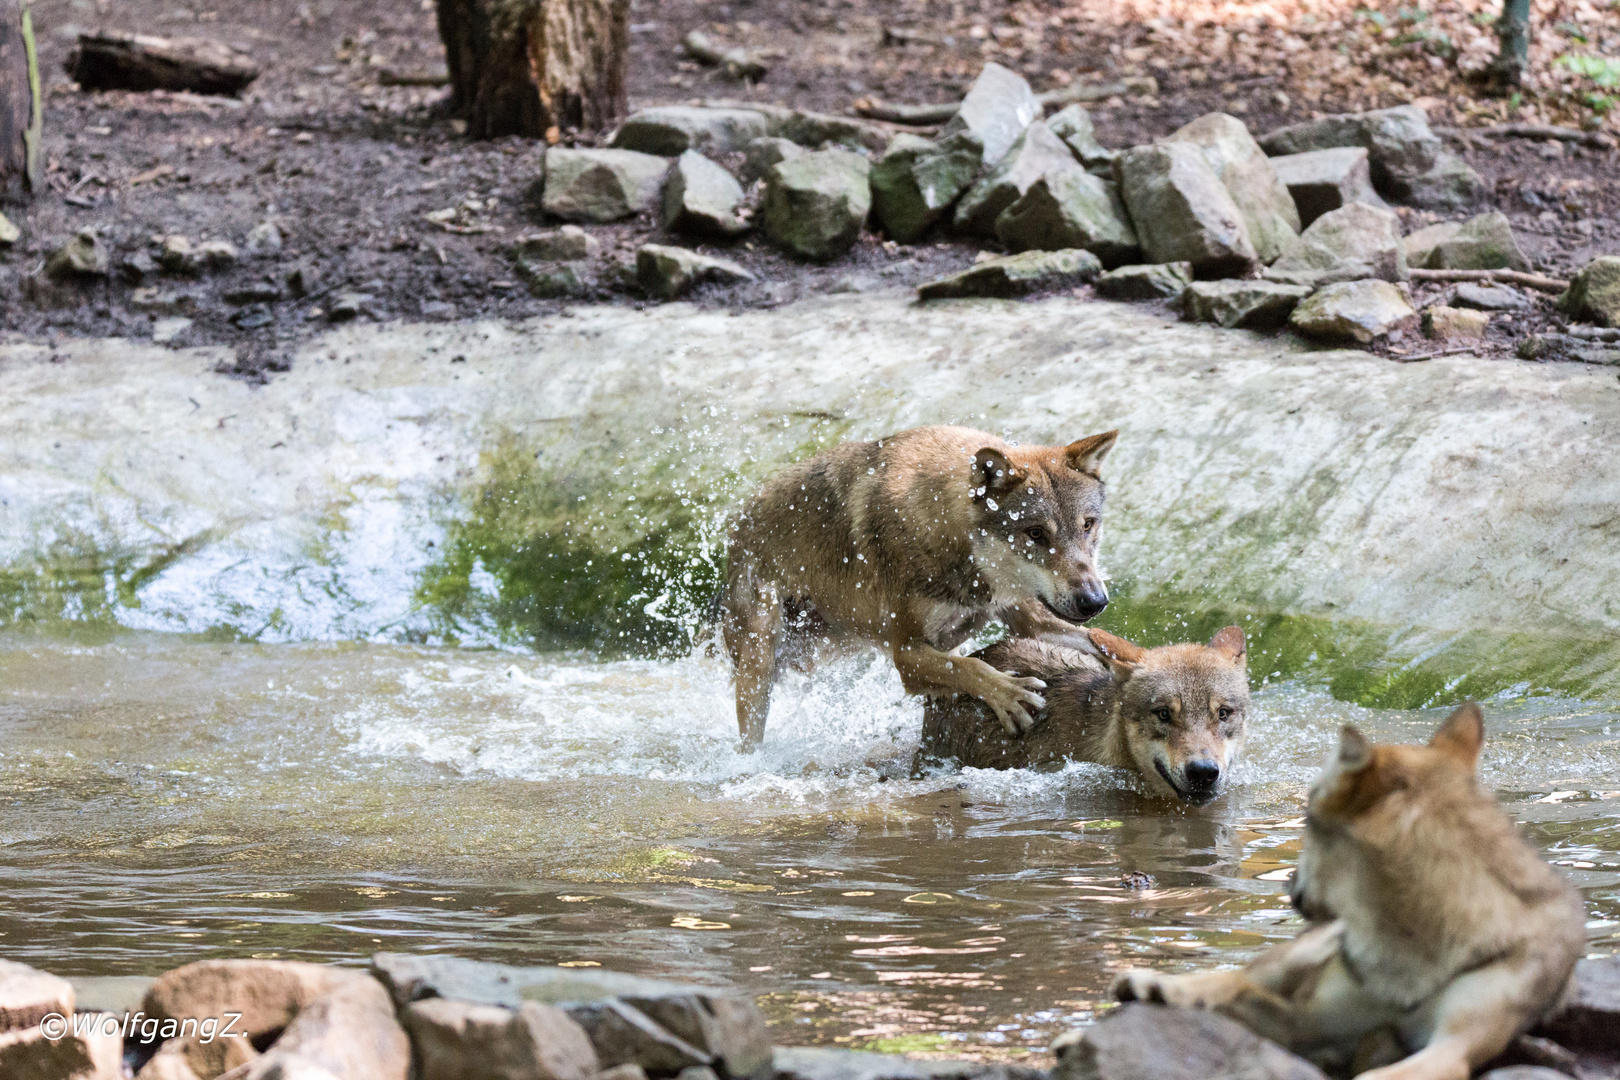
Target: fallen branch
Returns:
[1082, 94]
[737, 63]
[1398, 358]
[1594, 333]
[1545, 131]
[910, 115]
[1514, 277]
[116, 61]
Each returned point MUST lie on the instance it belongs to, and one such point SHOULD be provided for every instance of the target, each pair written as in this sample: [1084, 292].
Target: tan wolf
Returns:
[913, 543]
[1177, 714]
[1439, 932]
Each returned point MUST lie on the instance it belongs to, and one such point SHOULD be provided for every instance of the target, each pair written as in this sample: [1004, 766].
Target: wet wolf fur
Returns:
[1177, 714]
[912, 543]
[1438, 931]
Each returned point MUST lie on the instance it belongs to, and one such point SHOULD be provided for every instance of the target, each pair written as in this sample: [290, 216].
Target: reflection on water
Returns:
[164, 799]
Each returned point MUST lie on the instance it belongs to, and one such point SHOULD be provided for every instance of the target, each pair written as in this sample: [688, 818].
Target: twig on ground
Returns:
[1399, 359]
[1545, 131]
[910, 115]
[1514, 277]
[738, 62]
[1083, 93]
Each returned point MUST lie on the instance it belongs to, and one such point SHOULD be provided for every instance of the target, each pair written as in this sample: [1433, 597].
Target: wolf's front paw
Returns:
[1015, 699]
[1139, 984]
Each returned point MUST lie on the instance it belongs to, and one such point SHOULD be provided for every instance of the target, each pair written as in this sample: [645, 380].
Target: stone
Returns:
[815, 205]
[1141, 1041]
[697, 1072]
[672, 130]
[702, 199]
[1421, 243]
[264, 241]
[1353, 310]
[137, 267]
[1250, 305]
[1145, 281]
[1489, 297]
[1408, 162]
[439, 309]
[254, 317]
[302, 280]
[1590, 1018]
[628, 1071]
[1545, 347]
[1070, 208]
[176, 255]
[167, 329]
[347, 306]
[28, 995]
[549, 281]
[9, 233]
[167, 1064]
[1323, 180]
[764, 152]
[601, 185]
[813, 129]
[916, 181]
[81, 257]
[110, 993]
[1593, 295]
[1348, 244]
[1017, 275]
[1182, 211]
[1455, 324]
[567, 244]
[1485, 242]
[666, 272]
[996, 110]
[1268, 209]
[1073, 125]
[254, 292]
[217, 255]
[349, 1033]
[833, 1063]
[1035, 153]
[88, 1047]
[460, 1040]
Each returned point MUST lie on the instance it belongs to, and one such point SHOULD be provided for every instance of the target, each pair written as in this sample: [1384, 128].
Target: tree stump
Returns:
[21, 111]
[536, 67]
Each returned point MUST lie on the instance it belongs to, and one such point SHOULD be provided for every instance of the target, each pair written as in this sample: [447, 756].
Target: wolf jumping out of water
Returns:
[1177, 714]
[1439, 932]
[913, 543]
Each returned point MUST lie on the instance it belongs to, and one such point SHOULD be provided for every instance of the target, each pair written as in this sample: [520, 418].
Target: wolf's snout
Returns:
[1202, 775]
[1089, 600]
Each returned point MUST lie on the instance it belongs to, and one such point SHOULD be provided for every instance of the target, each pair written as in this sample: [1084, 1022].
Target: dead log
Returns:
[536, 67]
[21, 112]
[910, 115]
[114, 61]
[736, 62]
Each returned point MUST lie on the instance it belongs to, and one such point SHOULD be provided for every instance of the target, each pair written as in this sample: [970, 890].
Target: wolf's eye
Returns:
[1224, 713]
[1088, 524]
[1036, 534]
[1163, 714]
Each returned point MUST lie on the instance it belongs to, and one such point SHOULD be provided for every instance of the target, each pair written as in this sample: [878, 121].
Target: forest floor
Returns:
[349, 168]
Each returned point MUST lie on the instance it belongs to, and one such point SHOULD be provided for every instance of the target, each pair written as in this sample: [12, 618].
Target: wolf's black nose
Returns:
[1089, 600]
[1202, 774]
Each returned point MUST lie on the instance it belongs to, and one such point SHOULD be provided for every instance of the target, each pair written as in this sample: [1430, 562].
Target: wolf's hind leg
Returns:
[752, 625]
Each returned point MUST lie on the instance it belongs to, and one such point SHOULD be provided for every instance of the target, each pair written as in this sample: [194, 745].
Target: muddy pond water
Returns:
[165, 798]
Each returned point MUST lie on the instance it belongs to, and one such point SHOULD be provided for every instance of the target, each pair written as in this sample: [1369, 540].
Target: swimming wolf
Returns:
[913, 543]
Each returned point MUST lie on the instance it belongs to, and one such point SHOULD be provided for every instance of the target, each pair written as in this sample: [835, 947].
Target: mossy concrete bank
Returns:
[564, 481]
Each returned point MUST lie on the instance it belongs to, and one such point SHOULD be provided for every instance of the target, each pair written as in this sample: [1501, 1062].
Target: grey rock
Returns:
[1590, 1018]
[1268, 209]
[702, 199]
[439, 309]
[264, 241]
[996, 110]
[1353, 310]
[623, 1034]
[1182, 211]
[1323, 180]
[831, 1063]
[697, 1072]
[217, 255]
[302, 280]
[83, 256]
[1140, 1041]
[137, 267]
[1451, 185]
[815, 205]
[1073, 125]
[348, 1034]
[1485, 242]
[1145, 281]
[158, 301]
[1017, 275]
[1420, 244]
[93, 1055]
[460, 1040]
[1250, 305]
[601, 185]
[1408, 161]
[254, 292]
[916, 181]
[1070, 208]
[1566, 347]
[813, 129]
[550, 281]
[671, 130]
[764, 152]
[347, 306]
[1035, 153]
[177, 256]
[667, 272]
[567, 244]
[253, 317]
[1348, 244]
[1454, 324]
[1524, 1072]
[9, 233]
[1594, 293]
[1490, 297]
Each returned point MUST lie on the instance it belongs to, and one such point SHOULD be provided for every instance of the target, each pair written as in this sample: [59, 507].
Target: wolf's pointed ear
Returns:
[1355, 751]
[993, 472]
[1087, 455]
[1120, 655]
[1229, 641]
[1462, 734]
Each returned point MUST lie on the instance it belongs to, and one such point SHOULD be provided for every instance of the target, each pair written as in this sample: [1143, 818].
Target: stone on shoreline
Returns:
[1017, 275]
[835, 1063]
[1353, 310]
[94, 1054]
[1323, 180]
[672, 130]
[815, 205]
[1594, 293]
[1348, 244]
[601, 185]
[1182, 211]
[460, 1040]
[349, 1033]
[1268, 209]
[702, 199]
[666, 272]
[1136, 1042]
[1249, 305]
[1070, 208]
[28, 995]
[996, 110]
[1145, 281]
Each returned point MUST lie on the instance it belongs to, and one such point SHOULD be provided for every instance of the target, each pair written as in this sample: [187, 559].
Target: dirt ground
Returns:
[349, 168]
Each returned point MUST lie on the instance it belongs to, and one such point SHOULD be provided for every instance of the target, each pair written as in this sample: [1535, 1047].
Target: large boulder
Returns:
[347, 1034]
[28, 995]
[1594, 293]
[1348, 244]
[1073, 125]
[702, 199]
[1017, 275]
[1267, 207]
[916, 181]
[1155, 1042]
[1323, 180]
[90, 1047]
[815, 205]
[1353, 311]
[668, 272]
[998, 107]
[1408, 161]
[1070, 208]
[1035, 153]
[670, 130]
[601, 185]
[1182, 211]
[1250, 305]
[1145, 281]
[1485, 242]
[461, 1040]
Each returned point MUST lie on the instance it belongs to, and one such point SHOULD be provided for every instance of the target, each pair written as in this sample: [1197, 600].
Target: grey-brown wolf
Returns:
[1438, 931]
[1177, 714]
[913, 543]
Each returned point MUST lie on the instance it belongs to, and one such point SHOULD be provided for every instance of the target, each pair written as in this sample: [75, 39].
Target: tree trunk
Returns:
[536, 67]
[21, 111]
[1513, 31]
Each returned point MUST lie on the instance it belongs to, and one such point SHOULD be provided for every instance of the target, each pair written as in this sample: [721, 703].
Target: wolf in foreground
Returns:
[1439, 932]
[1176, 714]
[913, 543]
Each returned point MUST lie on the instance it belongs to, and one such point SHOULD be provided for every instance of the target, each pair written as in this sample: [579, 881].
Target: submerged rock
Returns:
[1353, 310]
[1268, 209]
[702, 199]
[815, 205]
[601, 185]
[1035, 153]
[1250, 305]
[1182, 211]
[1146, 281]
[1070, 208]
[668, 272]
[1135, 1042]
[1485, 242]
[456, 1040]
[1017, 275]
[1324, 180]
[1348, 244]
[1594, 293]
[916, 181]
[996, 110]
[671, 130]
[1408, 161]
